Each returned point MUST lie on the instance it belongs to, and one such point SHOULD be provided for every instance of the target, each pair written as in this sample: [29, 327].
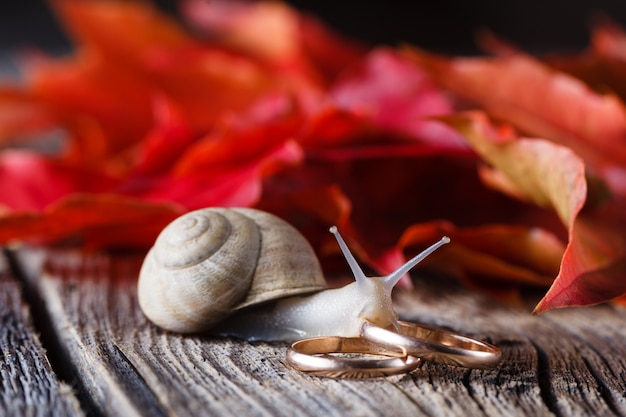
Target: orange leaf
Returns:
[85, 93]
[96, 25]
[155, 50]
[602, 65]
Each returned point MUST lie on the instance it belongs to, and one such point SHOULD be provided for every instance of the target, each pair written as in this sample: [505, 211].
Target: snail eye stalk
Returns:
[392, 279]
[354, 266]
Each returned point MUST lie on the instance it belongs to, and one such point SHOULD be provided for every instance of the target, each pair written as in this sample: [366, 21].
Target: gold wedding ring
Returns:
[318, 356]
[434, 344]
[381, 352]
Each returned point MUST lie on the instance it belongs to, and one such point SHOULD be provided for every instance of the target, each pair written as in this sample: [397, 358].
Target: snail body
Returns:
[338, 311]
[185, 287]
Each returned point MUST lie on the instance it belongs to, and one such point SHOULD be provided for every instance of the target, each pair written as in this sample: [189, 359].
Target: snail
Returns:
[211, 263]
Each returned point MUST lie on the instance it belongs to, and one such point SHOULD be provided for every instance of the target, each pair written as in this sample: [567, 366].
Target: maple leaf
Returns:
[495, 258]
[553, 176]
[83, 93]
[296, 45]
[417, 185]
[92, 221]
[22, 116]
[602, 64]
[392, 94]
[134, 108]
[542, 103]
[31, 181]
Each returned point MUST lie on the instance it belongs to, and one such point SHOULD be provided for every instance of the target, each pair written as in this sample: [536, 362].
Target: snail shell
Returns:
[212, 262]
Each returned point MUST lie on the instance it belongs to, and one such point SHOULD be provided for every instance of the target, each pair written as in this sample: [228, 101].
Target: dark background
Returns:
[441, 25]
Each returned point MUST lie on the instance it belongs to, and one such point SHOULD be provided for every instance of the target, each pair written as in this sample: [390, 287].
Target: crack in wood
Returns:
[544, 380]
[605, 391]
[57, 358]
[467, 383]
[603, 388]
[409, 398]
[29, 385]
[132, 382]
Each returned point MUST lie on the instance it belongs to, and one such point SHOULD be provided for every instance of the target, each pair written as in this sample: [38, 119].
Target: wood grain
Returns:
[564, 363]
[28, 385]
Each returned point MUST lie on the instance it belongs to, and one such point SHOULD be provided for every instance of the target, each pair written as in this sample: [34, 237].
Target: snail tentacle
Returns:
[392, 279]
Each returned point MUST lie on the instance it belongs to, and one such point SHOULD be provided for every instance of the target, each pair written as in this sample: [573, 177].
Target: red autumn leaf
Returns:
[202, 81]
[278, 35]
[96, 25]
[31, 182]
[417, 185]
[553, 176]
[494, 258]
[238, 186]
[392, 94]
[548, 175]
[205, 83]
[95, 220]
[85, 93]
[271, 122]
[384, 99]
[22, 115]
[165, 143]
[602, 65]
[594, 267]
[332, 127]
[542, 103]
[227, 166]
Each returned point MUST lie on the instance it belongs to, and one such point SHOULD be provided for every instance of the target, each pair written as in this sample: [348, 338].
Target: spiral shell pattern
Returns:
[210, 262]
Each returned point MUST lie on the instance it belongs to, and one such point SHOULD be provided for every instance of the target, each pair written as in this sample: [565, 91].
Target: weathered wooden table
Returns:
[74, 342]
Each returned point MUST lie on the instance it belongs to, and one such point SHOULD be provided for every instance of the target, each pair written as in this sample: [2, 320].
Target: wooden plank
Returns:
[561, 363]
[599, 340]
[28, 386]
[566, 362]
[90, 313]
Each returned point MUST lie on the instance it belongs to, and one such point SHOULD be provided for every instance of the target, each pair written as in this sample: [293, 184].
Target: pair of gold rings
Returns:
[381, 352]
